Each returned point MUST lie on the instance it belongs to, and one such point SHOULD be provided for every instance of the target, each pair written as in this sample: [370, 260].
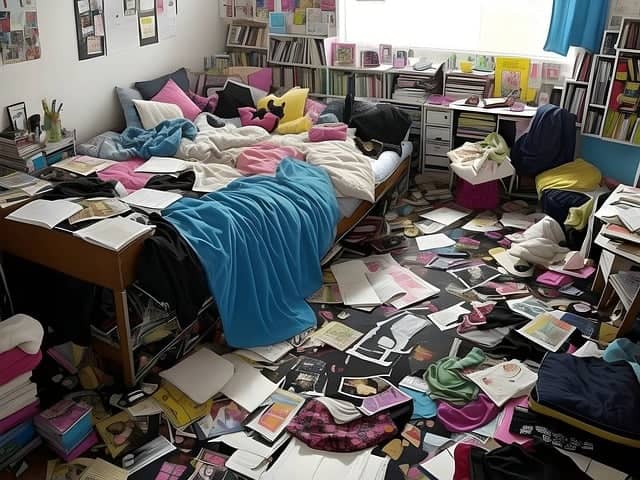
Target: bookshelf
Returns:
[247, 42]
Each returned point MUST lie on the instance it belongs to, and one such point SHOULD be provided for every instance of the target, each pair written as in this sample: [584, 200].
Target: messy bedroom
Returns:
[319, 239]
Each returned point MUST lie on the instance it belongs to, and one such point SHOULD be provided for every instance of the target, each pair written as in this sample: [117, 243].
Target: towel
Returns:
[21, 331]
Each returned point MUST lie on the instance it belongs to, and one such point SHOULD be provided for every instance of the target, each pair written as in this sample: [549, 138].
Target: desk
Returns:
[73, 256]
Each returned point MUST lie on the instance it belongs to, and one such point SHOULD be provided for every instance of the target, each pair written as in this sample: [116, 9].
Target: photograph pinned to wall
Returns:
[19, 33]
[17, 116]
[147, 22]
[90, 29]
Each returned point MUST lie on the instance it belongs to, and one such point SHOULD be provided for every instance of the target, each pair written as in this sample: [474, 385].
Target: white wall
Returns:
[87, 87]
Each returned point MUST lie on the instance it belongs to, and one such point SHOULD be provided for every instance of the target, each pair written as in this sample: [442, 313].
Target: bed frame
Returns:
[347, 223]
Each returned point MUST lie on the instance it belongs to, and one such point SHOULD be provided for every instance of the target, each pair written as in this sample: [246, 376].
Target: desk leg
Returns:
[630, 317]
[124, 332]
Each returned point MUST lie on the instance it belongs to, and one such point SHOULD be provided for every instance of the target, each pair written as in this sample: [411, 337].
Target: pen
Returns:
[53, 105]
[60, 107]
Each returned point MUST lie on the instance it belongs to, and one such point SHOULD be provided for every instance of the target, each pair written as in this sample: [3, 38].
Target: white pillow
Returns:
[154, 113]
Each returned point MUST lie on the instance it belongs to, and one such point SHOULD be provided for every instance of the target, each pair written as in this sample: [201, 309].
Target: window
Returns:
[515, 27]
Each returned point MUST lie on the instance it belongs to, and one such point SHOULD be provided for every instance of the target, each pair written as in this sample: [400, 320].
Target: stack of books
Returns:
[67, 427]
[582, 66]
[627, 285]
[602, 78]
[16, 149]
[17, 443]
[621, 215]
[414, 87]
[462, 85]
[475, 126]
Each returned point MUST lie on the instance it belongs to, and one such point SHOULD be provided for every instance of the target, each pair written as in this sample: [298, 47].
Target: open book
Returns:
[83, 164]
[113, 233]
[45, 213]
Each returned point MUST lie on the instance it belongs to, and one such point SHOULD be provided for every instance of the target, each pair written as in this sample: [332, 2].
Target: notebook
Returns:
[113, 233]
[149, 198]
[45, 213]
[163, 165]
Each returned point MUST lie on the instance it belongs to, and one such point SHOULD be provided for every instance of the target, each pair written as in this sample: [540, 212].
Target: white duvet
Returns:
[215, 150]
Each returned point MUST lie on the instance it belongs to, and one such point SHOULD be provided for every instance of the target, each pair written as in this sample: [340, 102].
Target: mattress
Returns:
[383, 168]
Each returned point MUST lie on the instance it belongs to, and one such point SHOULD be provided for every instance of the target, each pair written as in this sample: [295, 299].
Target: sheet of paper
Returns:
[442, 466]
[445, 215]
[429, 242]
[146, 5]
[415, 383]
[153, 199]
[517, 220]
[427, 227]
[163, 165]
[338, 335]
[168, 20]
[270, 353]
[248, 387]
[243, 441]
[247, 464]
[385, 286]
[449, 317]
[145, 408]
[354, 287]
[121, 30]
[102, 470]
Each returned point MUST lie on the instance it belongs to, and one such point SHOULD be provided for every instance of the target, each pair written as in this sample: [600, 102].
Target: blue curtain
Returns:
[576, 23]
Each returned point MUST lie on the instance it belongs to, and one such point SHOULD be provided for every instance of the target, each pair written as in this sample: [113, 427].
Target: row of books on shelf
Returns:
[582, 66]
[628, 69]
[289, 77]
[308, 51]
[593, 121]
[17, 144]
[475, 125]
[247, 35]
[601, 79]
[247, 59]
[630, 36]
[461, 85]
[574, 99]
[621, 126]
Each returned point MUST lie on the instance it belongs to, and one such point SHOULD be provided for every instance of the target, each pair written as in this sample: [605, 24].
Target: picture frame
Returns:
[369, 59]
[90, 28]
[344, 54]
[400, 59]
[385, 52]
[18, 116]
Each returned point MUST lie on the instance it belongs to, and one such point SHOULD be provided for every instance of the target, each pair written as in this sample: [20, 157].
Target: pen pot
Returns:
[53, 126]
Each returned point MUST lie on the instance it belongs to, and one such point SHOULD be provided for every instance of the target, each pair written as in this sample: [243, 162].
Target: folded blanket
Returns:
[161, 141]
[15, 362]
[21, 331]
[259, 241]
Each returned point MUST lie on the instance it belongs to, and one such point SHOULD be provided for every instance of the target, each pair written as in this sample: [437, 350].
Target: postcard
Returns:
[119, 433]
[274, 418]
[226, 416]
[476, 275]
[529, 307]
[547, 331]
[376, 393]
[338, 335]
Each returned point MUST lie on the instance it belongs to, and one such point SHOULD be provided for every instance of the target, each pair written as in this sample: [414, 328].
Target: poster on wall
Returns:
[19, 33]
[121, 28]
[147, 22]
[167, 13]
[90, 30]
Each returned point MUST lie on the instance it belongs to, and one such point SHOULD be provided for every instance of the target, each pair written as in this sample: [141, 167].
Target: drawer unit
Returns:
[436, 148]
[439, 117]
[435, 161]
[438, 133]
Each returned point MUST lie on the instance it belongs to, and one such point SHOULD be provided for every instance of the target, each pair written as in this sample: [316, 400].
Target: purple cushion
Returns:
[250, 116]
[172, 93]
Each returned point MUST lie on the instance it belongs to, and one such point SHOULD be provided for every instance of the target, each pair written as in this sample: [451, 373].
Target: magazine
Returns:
[477, 275]
[337, 335]
[225, 416]
[84, 165]
[98, 208]
[120, 433]
[147, 453]
[274, 418]
[547, 331]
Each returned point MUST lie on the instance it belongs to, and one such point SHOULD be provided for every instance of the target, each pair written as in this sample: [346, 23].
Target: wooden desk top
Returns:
[71, 255]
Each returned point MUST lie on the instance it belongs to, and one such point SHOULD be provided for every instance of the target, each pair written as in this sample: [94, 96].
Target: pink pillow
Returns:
[264, 158]
[314, 109]
[172, 93]
[205, 104]
[328, 131]
[249, 116]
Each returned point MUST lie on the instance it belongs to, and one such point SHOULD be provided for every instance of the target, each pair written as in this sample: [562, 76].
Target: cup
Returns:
[466, 66]
[53, 126]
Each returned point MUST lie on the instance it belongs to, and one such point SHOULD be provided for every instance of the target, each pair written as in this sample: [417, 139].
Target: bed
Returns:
[259, 260]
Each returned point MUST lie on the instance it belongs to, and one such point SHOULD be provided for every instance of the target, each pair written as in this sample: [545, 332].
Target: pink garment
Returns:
[502, 432]
[484, 196]
[468, 417]
[15, 362]
[20, 416]
[314, 109]
[249, 117]
[124, 172]
[264, 158]
[328, 131]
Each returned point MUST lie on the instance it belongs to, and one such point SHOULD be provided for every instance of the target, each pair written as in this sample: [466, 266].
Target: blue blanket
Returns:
[161, 141]
[260, 240]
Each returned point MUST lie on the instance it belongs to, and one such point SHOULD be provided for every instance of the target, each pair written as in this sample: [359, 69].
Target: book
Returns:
[271, 422]
[151, 199]
[62, 417]
[113, 233]
[511, 74]
[547, 331]
[17, 180]
[163, 165]
[97, 209]
[618, 232]
[83, 164]
[45, 213]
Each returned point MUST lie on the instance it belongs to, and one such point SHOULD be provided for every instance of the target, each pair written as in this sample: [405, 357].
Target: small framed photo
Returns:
[400, 59]
[386, 54]
[18, 116]
[344, 54]
[369, 58]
